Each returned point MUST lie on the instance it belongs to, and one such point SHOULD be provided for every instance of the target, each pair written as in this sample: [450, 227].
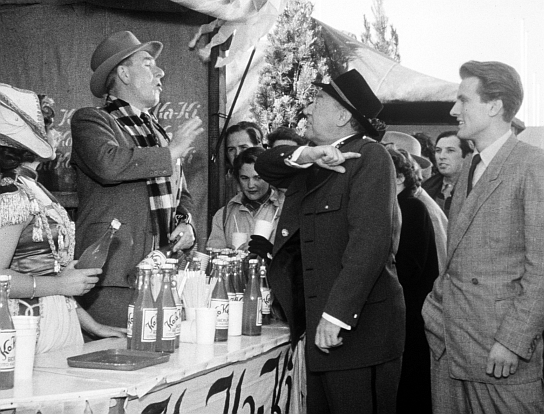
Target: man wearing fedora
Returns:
[333, 266]
[128, 168]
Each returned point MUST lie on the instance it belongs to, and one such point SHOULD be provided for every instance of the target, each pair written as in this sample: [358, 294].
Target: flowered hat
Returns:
[21, 122]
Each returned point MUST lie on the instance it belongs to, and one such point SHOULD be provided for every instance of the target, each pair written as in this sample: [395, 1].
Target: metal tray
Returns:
[118, 359]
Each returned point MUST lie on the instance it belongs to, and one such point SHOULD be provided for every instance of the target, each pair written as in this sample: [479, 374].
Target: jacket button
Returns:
[326, 207]
[285, 232]
[355, 316]
[475, 281]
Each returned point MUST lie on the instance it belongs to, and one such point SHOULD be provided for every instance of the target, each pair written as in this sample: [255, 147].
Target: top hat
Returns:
[21, 122]
[354, 94]
[112, 51]
[407, 143]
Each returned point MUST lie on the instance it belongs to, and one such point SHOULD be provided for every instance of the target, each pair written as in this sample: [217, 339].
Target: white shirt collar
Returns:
[489, 152]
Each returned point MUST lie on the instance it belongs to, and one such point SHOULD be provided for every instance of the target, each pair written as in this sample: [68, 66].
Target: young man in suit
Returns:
[127, 168]
[333, 257]
[485, 315]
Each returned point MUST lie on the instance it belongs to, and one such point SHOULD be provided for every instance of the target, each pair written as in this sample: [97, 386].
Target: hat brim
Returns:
[22, 136]
[29, 141]
[423, 162]
[98, 79]
[363, 120]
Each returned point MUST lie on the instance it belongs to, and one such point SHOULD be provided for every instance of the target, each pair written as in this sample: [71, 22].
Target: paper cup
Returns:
[239, 239]
[235, 317]
[263, 228]
[190, 314]
[204, 259]
[187, 332]
[205, 325]
[25, 338]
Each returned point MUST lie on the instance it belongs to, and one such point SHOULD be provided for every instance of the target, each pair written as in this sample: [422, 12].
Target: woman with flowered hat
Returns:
[36, 232]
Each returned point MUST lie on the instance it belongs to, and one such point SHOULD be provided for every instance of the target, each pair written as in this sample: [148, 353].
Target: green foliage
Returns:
[295, 58]
[380, 34]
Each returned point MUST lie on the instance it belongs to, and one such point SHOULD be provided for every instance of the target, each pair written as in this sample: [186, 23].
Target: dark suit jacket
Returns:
[337, 241]
[111, 183]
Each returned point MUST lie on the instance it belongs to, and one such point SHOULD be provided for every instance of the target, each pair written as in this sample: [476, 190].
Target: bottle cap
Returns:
[5, 278]
[253, 261]
[115, 224]
[145, 265]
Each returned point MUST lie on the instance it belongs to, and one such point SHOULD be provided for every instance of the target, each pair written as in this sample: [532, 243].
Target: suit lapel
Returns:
[464, 208]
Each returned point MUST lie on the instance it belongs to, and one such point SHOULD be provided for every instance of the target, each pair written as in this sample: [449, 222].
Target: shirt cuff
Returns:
[291, 161]
[337, 322]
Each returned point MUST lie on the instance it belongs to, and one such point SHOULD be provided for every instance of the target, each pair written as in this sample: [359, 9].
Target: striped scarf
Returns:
[161, 201]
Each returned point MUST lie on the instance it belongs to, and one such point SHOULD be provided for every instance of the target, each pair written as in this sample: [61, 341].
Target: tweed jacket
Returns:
[493, 285]
[111, 183]
[341, 236]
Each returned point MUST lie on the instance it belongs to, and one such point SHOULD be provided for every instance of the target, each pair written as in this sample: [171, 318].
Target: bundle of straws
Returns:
[194, 289]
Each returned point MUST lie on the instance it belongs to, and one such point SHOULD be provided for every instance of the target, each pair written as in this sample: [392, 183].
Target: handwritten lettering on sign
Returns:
[241, 396]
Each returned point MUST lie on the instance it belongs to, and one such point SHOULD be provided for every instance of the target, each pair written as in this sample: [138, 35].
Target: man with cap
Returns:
[128, 168]
[412, 148]
[333, 266]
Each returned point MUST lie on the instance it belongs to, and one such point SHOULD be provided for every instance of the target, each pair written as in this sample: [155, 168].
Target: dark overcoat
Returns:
[334, 253]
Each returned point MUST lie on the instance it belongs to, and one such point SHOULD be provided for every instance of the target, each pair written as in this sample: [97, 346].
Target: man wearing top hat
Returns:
[128, 168]
[333, 266]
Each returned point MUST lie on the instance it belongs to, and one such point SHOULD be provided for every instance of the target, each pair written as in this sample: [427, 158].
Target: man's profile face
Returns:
[321, 118]
[144, 80]
[449, 156]
[470, 111]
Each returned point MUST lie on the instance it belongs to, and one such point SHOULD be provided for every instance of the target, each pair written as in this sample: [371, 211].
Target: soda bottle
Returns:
[167, 313]
[220, 302]
[265, 293]
[214, 253]
[179, 305]
[144, 326]
[7, 337]
[96, 254]
[252, 314]
[130, 315]
[239, 285]
[229, 282]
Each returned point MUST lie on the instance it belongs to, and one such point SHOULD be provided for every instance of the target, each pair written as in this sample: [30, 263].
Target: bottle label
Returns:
[222, 308]
[265, 293]
[232, 296]
[259, 321]
[149, 320]
[240, 296]
[178, 325]
[171, 319]
[7, 350]
[130, 320]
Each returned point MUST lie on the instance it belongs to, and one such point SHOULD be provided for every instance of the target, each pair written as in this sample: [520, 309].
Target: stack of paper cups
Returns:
[26, 328]
[235, 317]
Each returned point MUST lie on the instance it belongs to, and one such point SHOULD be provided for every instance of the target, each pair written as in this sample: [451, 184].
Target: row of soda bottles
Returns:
[154, 324]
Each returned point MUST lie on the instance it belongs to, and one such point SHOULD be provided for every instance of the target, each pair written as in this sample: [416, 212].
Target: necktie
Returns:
[149, 124]
[475, 161]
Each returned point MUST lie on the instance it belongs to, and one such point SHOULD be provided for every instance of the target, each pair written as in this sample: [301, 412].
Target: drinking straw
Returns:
[236, 223]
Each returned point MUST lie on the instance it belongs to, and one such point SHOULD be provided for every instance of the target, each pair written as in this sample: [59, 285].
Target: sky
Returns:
[437, 36]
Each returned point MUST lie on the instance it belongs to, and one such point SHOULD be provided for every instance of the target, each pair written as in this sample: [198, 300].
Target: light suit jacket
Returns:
[493, 285]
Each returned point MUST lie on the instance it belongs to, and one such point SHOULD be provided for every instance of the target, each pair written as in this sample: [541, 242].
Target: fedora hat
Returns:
[21, 122]
[354, 94]
[112, 51]
[407, 143]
